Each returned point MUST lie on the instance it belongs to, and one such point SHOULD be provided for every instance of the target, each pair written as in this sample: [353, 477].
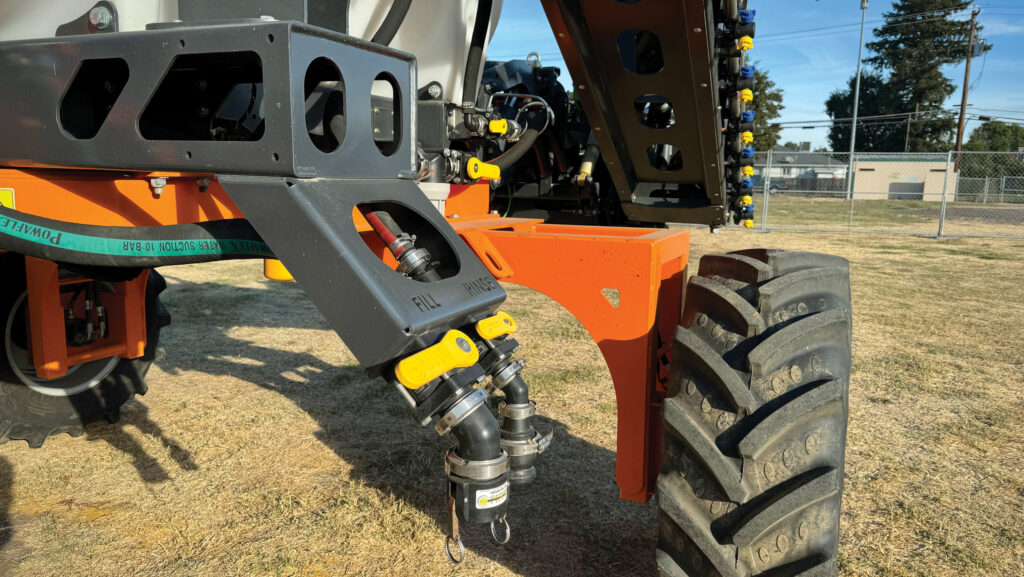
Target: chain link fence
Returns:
[938, 194]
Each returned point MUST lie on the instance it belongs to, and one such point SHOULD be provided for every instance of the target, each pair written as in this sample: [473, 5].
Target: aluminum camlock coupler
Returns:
[519, 438]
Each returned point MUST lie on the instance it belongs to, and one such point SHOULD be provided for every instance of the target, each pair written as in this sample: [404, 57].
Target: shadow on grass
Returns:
[137, 415]
[569, 521]
[6, 482]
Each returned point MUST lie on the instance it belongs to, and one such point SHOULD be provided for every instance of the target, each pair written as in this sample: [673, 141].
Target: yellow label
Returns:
[7, 197]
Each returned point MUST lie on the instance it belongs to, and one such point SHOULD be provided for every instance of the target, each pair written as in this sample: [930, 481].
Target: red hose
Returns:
[382, 231]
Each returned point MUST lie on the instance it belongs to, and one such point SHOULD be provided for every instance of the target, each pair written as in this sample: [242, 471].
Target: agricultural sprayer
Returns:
[370, 151]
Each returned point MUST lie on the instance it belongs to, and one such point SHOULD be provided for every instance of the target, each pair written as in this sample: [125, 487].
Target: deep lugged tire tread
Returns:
[755, 419]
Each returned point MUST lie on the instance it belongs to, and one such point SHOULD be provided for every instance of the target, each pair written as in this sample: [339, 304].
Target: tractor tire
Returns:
[34, 409]
[754, 419]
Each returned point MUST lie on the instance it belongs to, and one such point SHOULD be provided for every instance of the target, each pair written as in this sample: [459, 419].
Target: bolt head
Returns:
[463, 344]
[100, 17]
[434, 91]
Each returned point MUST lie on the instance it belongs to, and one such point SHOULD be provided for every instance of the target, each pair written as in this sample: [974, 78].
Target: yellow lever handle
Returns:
[499, 325]
[498, 126]
[454, 351]
[477, 168]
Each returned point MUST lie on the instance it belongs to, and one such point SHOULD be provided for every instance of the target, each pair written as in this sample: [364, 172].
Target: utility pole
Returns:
[856, 101]
[917, 110]
[967, 80]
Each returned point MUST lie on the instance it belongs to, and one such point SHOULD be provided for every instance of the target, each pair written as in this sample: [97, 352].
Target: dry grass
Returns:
[262, 450]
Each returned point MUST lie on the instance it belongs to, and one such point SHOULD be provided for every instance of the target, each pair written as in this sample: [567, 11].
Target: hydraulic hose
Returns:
[475, 59]
[523, 145]
[127, 246]
[396, 15]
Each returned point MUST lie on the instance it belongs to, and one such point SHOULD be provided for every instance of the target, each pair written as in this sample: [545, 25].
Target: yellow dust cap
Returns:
[498, 126]
[747, 137]
[746, 95]
[454, 351]
[748, 223]
[477, 168]
[499, 325]
[745, 43]
[274, 270]
[747, 200]
[747, 171]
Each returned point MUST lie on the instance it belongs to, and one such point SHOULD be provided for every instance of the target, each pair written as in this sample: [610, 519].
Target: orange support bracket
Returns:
[578, 266]
[51, 355]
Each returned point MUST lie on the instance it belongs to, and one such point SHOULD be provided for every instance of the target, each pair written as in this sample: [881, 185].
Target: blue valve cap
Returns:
[747, 71]
[747, 16]
[748, 182]
[748, 152]
[749, 209]
[748, 115]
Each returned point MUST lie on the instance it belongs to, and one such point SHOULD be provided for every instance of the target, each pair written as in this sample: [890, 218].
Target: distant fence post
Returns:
[849, 186]
[767, 191]
[945, 190]
[1002, 189]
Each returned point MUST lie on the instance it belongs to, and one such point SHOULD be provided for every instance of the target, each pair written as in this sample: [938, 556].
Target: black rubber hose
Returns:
[396, 15]
[523, 145]
[478, 436]
[128, 246]
[475, 59]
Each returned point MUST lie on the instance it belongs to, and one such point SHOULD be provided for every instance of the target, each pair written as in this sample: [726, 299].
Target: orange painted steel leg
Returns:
[46, 319]
[572, 264]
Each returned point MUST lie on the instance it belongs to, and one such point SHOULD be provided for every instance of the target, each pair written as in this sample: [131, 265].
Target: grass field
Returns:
[905, 216]
[262, 450]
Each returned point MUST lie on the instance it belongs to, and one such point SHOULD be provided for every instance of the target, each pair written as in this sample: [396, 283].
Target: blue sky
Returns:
[809, 63]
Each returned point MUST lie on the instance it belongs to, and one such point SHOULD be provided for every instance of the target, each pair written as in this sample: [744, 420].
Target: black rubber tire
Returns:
[32, 416]
[755, 416]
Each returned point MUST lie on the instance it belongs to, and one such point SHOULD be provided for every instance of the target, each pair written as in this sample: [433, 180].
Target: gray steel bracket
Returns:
[379, 313]
[39, 74]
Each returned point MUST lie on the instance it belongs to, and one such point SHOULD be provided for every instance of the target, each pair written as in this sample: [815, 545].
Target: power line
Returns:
[886, 21]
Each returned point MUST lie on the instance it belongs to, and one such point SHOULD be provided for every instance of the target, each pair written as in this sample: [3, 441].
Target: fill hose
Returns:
[127, 246]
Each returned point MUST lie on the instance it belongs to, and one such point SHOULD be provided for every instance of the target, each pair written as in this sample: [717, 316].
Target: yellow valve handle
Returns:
[499, 325]
[747, 200]
[748, 223]
[747, 171]
[745, 43]
[747, 137]
[746, 95]
[454, 351]
[498, 126]
[477, 168]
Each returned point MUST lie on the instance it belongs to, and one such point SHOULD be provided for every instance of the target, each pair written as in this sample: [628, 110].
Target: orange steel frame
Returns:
[570, 264]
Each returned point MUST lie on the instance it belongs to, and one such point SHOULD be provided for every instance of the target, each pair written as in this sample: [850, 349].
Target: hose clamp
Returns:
[518, 411]
[538, 444]
[460, 410]
[503, 377]
[455, 465]
[412, 259]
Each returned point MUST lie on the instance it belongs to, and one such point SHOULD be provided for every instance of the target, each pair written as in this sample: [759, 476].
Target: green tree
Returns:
[918, 38]
[873, 134]
[995, 136]
[767, 106]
